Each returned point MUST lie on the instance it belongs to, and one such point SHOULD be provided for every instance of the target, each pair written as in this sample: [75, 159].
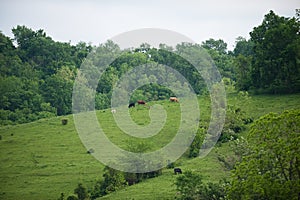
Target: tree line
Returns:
[37, 73]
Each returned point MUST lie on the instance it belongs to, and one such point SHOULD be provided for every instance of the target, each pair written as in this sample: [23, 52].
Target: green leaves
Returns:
[190, 186]
[243, 72]
[274, 67]
[217, 45]
[269, 61]
[271, 169]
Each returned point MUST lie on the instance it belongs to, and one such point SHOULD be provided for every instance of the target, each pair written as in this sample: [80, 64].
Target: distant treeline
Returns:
[37, 74]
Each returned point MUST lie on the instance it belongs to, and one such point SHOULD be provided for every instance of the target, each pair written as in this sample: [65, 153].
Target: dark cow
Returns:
[177, 171]
[141, 102]
[131, 105]
[90, 151]
[174, 99]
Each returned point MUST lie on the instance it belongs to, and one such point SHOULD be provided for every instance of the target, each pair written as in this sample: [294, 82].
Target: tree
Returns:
[81, 51]
[190, 186]
[36, 75]
[57, 90]
[6, 45]
[217, 49]
[217, 45]
[113, 181]
[81, 192]
[271, 170]
[197, 143]
[242, 68]
[243, 55]
[62, 196]
[275, 67]
[243, 47]
[43, 53]
[72, 197]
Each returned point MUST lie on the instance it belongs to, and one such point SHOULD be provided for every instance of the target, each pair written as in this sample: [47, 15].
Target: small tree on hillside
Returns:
[81, 192]
[197, 143]
[190, 186]
[113, 180]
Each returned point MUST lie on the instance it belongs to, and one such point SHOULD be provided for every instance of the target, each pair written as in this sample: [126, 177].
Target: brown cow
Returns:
[174, 99]
[141, 102]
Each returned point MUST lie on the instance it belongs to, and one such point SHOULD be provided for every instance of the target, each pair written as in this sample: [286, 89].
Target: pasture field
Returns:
[42, 159]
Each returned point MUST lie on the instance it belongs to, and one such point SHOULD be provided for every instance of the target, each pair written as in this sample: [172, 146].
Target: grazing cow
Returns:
[141, 102]
[113, 111]
[174, 99]
[90, 151]
[177, 171]
[131, 105]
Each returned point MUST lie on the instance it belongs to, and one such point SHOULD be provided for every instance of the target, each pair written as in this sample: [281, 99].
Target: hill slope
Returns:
[40, 160]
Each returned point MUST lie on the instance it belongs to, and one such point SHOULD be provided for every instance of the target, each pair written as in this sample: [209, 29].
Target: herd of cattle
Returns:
[142, 102]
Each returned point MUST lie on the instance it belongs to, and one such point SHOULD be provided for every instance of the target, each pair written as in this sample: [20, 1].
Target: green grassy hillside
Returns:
[40, 160]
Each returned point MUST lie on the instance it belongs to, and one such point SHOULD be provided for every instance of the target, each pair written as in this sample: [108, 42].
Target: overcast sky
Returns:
[96, 21]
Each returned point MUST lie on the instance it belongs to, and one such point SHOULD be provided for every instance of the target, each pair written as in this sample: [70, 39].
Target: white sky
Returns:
[96, 21]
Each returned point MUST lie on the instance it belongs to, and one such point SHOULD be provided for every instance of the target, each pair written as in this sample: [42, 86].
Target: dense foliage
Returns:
[270, 60]
[37, 73]
[270, 166]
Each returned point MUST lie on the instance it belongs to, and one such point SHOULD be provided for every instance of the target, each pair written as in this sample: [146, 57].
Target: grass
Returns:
[42, 159]
[155, 188]
[140, 116]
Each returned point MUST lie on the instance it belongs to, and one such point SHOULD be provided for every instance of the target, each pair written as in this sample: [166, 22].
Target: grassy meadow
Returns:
[42, 159]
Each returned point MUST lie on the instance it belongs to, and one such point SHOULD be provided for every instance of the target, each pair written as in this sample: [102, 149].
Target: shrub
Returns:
[64, 121]
[113, 180]
[81, 192]
[197, 143]
[190, 186]
[235, 122]
[72, 197]
[170, 165]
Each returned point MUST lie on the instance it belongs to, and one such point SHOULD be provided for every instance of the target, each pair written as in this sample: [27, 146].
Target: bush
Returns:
[64, 121]
[72, 197]
[113, 180]
[81, 192]
[170, 165]
[190, 186]
[197, 143]
[235, 123]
